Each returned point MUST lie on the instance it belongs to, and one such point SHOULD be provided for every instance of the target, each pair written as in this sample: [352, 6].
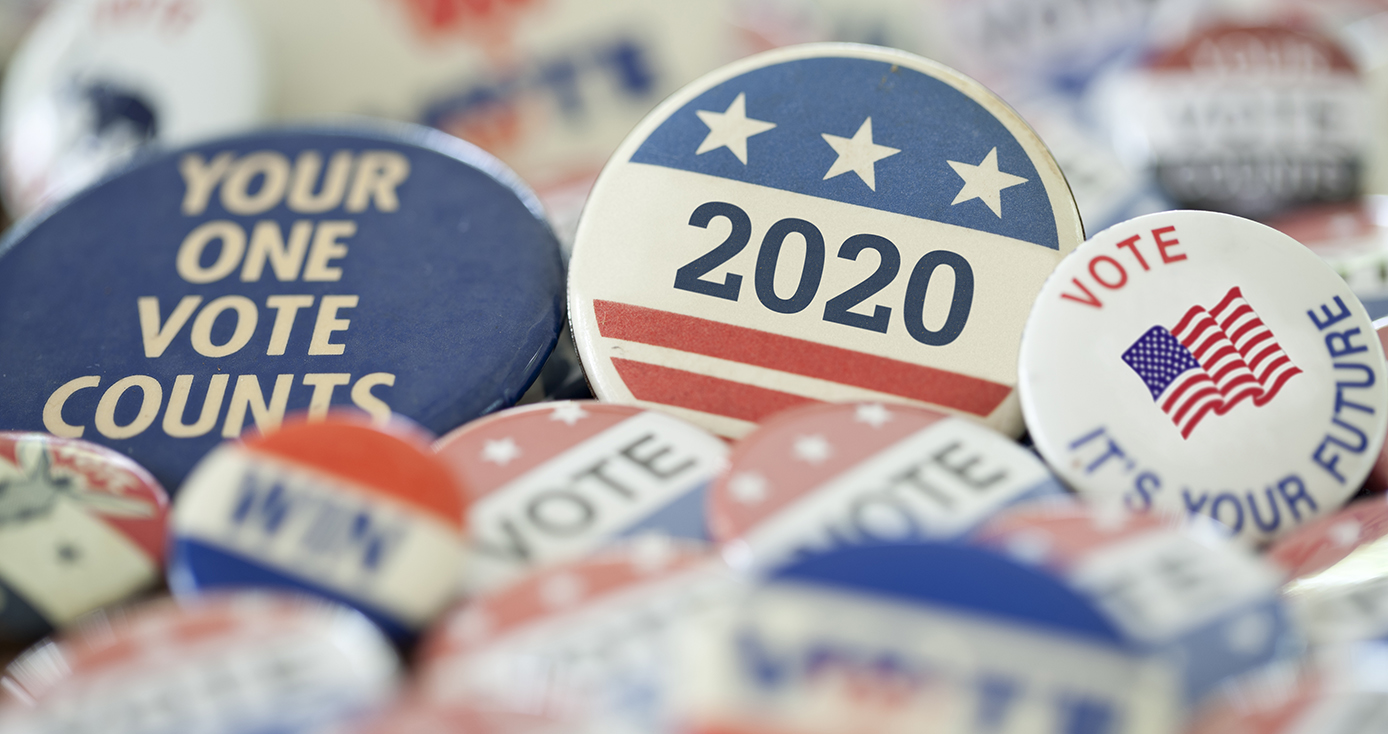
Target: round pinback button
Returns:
[229, 664]
[605, 629]
[97, 80]
[1377, 480]
[820, 476]
[340, 508]
[922, 637]
[1248, 119]
[216, 288]
[80, 527]
[1183, 593]
[1338, 579]
[826, 222]
[1199, 363]
[554, 481]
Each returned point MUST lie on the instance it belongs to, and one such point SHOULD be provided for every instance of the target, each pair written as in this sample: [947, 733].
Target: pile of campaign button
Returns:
[1249, 119]
[1338, 573]
[967, 640]
[1184, 593]
[341, 509]
[81, 527]
[821, 476]
[1339, 693]
[215, 288]
[549, 86]
[905, 219]
[554, 481]
[229, 664]
[97, 80]
[592, 641]
[1199, 363]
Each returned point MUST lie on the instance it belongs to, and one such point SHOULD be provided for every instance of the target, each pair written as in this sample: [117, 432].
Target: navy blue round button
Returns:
[210, 290]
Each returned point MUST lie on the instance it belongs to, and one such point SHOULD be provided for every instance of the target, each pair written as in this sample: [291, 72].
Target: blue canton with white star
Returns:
[1158, 358]
[928, 121]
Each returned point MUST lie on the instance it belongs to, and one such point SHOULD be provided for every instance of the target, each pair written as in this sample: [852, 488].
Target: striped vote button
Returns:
[1203, 364]
[818, 223]
[339, 509]
[223, 664]
[1180, 592]
[604, 629]
[821, 476]
[555, 481]
[81, 526]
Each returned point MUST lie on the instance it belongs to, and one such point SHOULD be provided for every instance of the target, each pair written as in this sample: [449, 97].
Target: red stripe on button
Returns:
[797, 356]
[705, 394]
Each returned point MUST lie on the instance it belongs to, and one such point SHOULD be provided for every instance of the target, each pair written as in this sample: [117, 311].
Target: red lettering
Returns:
[1088, 300]
[1122, 274]
[1131, 244]
[1163, 245]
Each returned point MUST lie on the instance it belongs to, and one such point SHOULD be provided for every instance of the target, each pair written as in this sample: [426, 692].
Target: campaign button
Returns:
[1199, 363]
[1322, 544]
[1350, 239]
[339, 508]
[820, 223]
[1182, 592]
[1338, 691]
[1377, 480]
[1249, 119]
[80, 527]
[216, 288]
[605, 630]
[95, 81]
[820, 476]
[226, 664]
[1338, 573]
[922, 637]
[554, 481]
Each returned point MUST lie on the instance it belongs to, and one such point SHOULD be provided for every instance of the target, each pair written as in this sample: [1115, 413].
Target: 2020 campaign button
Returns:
[820, 476]
[215, 288]
[227, 664]
[1210, 606]
[922, 637]
[554, 481]
[80, 527]
[341, 509]
[605, 629]
[1201, 363]
[96, 81]
[827, 222]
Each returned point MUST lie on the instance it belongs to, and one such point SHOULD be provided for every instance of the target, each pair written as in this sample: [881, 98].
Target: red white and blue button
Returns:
[554, 481]
[820, 476]
[827, 222]
[339, 509]
[81, 527]
[1203, 364]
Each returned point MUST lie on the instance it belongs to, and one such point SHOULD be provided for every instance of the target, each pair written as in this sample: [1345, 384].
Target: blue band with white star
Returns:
[866, 132]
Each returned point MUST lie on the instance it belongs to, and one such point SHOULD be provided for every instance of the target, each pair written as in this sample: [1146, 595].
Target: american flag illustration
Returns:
[1212, 360]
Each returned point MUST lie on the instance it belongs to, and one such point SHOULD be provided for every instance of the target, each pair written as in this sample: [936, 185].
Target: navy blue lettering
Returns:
[1223, 499]
[1083, 715]
[1269, 525]
[1341, 343]
[1330, 318]
[1194, 508]
[1145, 485]
[1299, 495]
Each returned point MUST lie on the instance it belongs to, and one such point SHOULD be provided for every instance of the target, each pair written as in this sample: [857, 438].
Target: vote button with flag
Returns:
[819, 223]
[1206, 365]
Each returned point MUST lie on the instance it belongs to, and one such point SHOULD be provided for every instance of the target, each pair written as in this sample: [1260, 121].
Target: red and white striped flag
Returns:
[1212, 360]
